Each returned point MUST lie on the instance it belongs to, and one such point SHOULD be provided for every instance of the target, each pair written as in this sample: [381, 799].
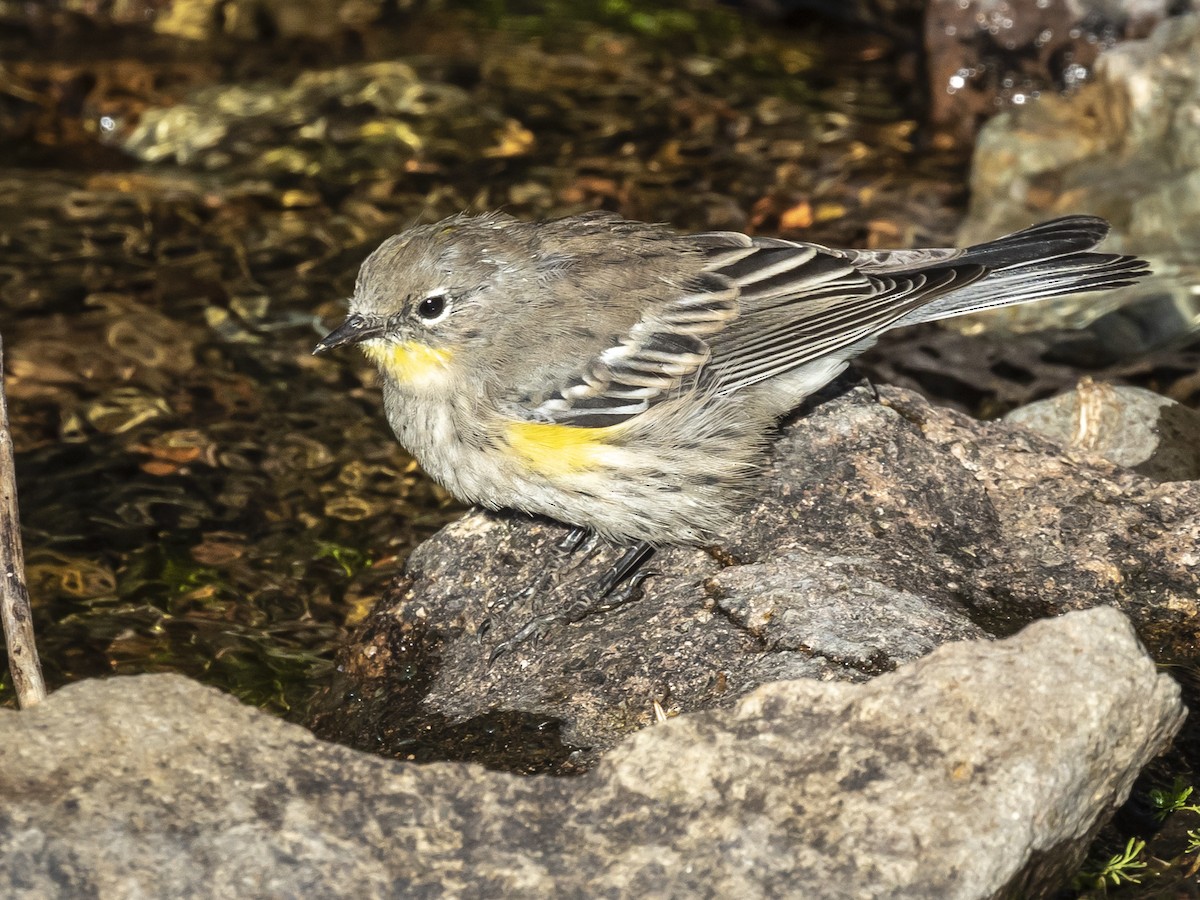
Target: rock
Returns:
[881, 530]
[986, 55]
[1132, 427]
[979, 771]
[1125, 147]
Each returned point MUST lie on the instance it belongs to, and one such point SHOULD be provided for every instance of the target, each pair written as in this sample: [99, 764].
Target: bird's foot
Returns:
[618, 586]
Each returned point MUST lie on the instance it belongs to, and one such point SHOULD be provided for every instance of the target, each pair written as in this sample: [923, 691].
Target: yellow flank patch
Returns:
[561, 449]
[409, 362]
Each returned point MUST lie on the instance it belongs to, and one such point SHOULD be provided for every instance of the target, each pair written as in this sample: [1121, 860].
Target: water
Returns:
[186, 192]
[180, 216]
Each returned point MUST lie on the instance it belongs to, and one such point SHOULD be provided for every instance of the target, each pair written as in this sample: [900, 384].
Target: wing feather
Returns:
[820, 304]
[765, 306]
[765, 343]
[663, 349]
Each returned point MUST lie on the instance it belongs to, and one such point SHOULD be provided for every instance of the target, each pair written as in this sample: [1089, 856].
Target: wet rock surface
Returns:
[1126, 148]
[882, 530]
[981, 770]
[988, 55]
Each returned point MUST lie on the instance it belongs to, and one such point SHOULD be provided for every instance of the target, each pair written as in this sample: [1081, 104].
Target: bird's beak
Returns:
[354, 330]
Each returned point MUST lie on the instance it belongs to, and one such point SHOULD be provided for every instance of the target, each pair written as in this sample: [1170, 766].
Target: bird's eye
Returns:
[432, 308]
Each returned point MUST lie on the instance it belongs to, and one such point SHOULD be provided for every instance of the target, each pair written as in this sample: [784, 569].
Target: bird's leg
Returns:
[574, 539]
[874, 390]
[869, 384]
[624, 569]
[621, 584]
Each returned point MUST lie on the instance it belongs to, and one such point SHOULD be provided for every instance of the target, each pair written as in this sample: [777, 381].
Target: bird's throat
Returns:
[408, 363]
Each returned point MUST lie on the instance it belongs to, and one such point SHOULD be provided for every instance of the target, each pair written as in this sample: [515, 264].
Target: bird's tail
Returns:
[1046, 260]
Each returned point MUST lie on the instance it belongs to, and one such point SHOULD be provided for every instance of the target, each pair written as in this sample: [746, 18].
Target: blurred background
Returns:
[187, 189]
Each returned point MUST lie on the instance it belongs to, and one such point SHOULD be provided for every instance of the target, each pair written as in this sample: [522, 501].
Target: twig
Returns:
[14, 596]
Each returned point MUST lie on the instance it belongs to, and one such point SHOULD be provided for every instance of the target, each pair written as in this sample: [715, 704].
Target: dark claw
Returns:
[619, 585]
[588, 546]
[624, 593]
[534, 629]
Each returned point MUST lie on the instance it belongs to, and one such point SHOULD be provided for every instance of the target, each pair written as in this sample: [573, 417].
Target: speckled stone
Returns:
[978, 771]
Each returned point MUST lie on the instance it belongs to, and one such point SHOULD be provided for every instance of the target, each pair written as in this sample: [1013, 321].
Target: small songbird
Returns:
[625, 378]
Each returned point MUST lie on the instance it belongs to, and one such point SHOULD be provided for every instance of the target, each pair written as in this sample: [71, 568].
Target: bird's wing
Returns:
[759, 309]
[666, 346]
[762, 307]
[800, 302]
[1039, 243]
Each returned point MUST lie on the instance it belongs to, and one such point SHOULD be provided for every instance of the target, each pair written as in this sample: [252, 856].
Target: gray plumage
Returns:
[670, 357]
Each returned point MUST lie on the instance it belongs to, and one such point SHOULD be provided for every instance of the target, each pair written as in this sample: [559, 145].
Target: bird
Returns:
[625, 378]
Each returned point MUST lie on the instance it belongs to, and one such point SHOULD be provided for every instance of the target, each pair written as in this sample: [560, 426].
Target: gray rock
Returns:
[979, 771]
[1132, 427]
[881, 530]
[1125, 147]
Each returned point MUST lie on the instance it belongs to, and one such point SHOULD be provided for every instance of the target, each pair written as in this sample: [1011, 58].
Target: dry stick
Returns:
[14, 596]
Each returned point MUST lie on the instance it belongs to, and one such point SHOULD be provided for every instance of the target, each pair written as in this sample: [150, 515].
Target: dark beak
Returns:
[353, 331]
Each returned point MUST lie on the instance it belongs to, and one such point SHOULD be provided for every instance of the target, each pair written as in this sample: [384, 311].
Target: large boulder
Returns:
[980, 771]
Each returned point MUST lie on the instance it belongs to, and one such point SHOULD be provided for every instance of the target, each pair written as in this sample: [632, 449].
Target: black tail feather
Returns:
[1044, 241]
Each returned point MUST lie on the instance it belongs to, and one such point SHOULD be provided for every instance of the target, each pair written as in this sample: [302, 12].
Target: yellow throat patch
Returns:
[562, 449]
[408, 363]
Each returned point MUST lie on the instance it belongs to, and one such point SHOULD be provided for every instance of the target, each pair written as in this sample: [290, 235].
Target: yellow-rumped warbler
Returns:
[625, 378]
